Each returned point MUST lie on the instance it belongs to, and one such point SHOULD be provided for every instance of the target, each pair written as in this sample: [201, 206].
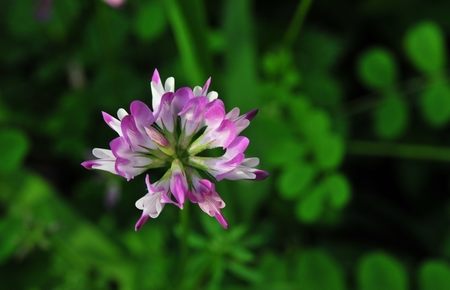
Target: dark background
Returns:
[353, 126]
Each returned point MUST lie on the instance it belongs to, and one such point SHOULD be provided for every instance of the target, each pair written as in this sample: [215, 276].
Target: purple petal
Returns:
[119, 146]
[141, 221]
[206, 87]
[222, 221]
[239, 145]
[227, 132]
[250, 115]
[141, 113]
[135, 138]
[156, 136]
[148, 183]
[236, 160]
[261, 174]
[155, 78]
[181, 97]
[112, 122]
[165, 116]
[178, 187]
[215, 113]
[88, 164]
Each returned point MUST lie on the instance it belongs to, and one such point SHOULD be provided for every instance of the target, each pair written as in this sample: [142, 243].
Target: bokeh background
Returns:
[353, 126]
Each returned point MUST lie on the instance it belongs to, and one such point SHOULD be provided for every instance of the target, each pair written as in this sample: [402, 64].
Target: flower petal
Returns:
[142, 114]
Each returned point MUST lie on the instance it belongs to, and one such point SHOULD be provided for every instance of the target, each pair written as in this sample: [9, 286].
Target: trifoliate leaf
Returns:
[150, 20]
[425, 47]
[286, 151]
[391, 117]
[377, 68]
[380, 271]
[317, 123]
[295, 178]
[435, 104]
[328, 150]
[268, 138]
[310, 208]
[299, 109]
[322, 89]
[318, 271]
[275, 62]
[14, 146]
[434, 275]
[338, 190]
[319, 51]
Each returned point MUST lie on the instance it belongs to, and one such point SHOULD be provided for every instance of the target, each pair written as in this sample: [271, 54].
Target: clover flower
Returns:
[183, 125]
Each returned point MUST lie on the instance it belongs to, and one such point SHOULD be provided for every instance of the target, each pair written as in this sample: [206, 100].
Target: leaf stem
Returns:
[184, 235]
[184, 39]
[395, 150]
[297, 22]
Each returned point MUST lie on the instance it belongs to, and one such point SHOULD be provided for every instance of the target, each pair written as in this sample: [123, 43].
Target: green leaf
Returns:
[299, 109]
[317, 270]
[310, 208]
[287, 150]
[295, 178]
[435, 104]
[319, 51]
[323, 89]
[275, 62]
[247, 273]
[13, 231]
[269, 135]
[316, 123]
[14, 146]
[150, 20]
[434, 275]
[328, 150]
[380, 271]
[338, 189]
[20, 19]
[377, 68]
[64, 13]
[105, 35]
[425, 47]
[391, 117]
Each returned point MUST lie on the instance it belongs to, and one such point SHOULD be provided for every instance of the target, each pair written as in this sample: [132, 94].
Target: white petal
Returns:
[251, 162]
[197, 91]
[212, 95]
[233, 114]
[105, 165]
[150, 204]
[157, 92]
[239, 174]
[103, 153]
[140, 202]
[169, 85]
[121, 113]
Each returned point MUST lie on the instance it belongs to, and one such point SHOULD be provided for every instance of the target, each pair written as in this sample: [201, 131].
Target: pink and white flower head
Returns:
[114, 3]
[181, 124]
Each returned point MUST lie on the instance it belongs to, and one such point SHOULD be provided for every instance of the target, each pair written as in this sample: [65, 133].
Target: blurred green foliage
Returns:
[339, 97]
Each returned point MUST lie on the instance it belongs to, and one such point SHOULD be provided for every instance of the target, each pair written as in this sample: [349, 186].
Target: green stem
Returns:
[184, 39]
[184, 235]
[297, 22]
[405, 151]
[371, 101]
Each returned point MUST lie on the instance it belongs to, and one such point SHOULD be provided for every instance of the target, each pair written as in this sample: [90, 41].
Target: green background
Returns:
[353, 126]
